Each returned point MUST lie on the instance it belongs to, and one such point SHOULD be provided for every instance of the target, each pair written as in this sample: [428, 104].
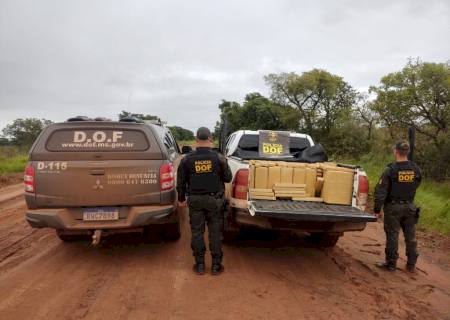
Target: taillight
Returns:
[28, 179]
[166, 177]
[240, 184]
[363, 191]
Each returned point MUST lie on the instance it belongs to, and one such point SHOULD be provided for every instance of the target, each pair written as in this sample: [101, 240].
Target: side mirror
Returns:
[186, 149]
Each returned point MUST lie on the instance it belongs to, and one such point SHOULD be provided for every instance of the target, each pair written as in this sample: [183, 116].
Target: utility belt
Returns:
[399, 202]
[216, 195]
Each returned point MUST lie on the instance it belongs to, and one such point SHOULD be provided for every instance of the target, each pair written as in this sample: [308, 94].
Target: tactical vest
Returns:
[404, 181]
[203, 169]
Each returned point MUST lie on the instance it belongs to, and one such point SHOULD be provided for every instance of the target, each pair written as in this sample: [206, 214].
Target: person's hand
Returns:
[182, 204]
[377, 214]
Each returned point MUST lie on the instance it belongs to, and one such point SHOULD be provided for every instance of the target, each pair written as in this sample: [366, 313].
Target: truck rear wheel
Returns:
[324, 240]
[229, 235]
[172, 231]
[231, 229]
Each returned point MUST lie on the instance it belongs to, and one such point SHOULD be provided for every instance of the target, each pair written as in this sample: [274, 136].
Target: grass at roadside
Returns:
[12, 159]
[186, 142]
[14, 164]
[432, 197]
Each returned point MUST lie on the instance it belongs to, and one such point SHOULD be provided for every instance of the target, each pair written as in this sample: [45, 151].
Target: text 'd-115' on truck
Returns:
[281, 186]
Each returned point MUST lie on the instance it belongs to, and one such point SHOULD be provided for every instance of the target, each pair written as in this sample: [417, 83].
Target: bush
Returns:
[435, 160]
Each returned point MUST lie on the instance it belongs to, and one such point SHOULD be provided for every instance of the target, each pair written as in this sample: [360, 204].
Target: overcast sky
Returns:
[178, 59]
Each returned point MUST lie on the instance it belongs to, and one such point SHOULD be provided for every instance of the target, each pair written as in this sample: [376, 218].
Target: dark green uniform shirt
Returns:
[398, 182]
[202, 171]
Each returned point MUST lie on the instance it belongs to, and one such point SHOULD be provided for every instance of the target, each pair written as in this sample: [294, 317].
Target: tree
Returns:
[181, 133]
[256, 113]
[23, 132]
[319, 96]
[139, 116]
[4, 141]
[417, 96]
[365, 114]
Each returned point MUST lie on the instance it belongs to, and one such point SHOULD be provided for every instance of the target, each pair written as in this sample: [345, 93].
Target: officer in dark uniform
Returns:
[395, 191]
[201, 175]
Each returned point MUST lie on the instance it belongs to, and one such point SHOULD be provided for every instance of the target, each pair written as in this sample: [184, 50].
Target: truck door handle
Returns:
[98, 172]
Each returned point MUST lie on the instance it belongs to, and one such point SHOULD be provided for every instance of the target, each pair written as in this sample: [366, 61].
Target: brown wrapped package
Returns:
[289, 185]
[313, 199]
[286, 174]
[258, 197]
[310, 182]
[299, 176]
[261, 175]
[251, 177]
[274, 176]
[319, 186]
[337, 187]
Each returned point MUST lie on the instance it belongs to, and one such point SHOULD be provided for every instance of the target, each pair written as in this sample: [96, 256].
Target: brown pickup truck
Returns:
[87, 177]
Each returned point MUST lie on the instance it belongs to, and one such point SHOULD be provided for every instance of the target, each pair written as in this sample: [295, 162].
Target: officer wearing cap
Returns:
[201, 175]
[395, 193]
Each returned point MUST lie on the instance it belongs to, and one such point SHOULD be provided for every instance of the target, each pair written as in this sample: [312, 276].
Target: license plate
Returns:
[100, 214]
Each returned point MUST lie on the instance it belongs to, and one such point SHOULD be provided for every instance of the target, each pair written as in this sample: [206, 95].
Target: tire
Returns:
[229, 235]
[172, 231]
[324, 240]
[231, 229]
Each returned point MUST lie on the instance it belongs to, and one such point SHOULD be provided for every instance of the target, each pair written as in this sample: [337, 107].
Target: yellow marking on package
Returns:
[203, 166]
[406, 176]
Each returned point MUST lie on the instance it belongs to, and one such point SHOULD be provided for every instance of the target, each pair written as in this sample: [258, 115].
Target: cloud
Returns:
[178, 59]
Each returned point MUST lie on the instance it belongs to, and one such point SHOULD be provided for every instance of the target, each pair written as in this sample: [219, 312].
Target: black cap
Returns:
[203, 133]
[402, 145]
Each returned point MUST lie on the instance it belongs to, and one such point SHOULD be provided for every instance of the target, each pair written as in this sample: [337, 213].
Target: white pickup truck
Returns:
[324, 222]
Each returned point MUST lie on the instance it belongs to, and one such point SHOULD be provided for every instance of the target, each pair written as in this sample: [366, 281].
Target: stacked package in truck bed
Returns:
[320, 182]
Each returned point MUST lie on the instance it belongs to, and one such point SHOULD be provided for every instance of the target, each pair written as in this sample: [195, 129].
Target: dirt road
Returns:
[266, 277]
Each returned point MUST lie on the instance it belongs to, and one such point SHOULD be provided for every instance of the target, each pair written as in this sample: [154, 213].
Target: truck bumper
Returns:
[304, 216]
[129, 217]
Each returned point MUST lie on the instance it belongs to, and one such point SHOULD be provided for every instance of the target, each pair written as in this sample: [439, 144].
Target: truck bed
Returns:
[308, 211]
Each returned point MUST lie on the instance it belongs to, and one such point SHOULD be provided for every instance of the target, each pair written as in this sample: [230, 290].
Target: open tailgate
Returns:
[307, 211]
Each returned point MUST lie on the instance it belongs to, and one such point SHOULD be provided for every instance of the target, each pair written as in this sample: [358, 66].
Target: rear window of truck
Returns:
[248, 146]
[114, 140]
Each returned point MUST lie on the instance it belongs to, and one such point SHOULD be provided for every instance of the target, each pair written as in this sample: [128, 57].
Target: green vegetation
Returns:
[23, 132]
[185, 142]
[11, 165]
[349, 123]
[181, 133]
[433, 197]
[12, 159]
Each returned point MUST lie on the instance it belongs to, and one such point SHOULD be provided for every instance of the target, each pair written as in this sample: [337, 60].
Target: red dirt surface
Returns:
[267, 276]
[10, 179]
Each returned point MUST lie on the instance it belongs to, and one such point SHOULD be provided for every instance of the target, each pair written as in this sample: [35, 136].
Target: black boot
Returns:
[199, 268]
[386, 265]
[216, 269]
[411, 267]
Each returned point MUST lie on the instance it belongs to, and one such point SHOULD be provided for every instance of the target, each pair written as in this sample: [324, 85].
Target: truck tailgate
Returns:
[308, 211]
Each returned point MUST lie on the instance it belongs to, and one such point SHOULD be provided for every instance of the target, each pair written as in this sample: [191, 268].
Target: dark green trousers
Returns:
[206, 209]
[396, 217]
